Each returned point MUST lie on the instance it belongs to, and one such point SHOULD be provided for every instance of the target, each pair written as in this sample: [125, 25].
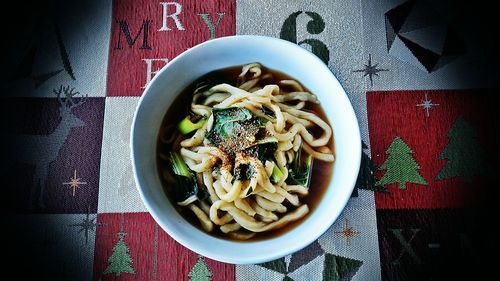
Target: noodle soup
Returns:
[245, 153]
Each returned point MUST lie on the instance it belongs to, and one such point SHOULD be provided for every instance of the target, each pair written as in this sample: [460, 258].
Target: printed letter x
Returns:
[406, 245]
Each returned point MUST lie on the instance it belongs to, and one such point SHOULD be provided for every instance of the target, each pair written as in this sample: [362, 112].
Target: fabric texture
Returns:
[419, 79]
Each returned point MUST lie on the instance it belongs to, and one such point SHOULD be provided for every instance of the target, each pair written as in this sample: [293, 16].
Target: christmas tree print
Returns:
[366, 178]
[120, 260]
[338, 268]
[200, 271]
[400, 166]
[465, 156]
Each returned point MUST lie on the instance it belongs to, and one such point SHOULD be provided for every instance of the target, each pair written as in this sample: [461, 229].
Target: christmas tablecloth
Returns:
[420, 76]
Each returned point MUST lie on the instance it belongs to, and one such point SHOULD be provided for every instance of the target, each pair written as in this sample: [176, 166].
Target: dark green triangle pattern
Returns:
[278, 265]
[338, 268]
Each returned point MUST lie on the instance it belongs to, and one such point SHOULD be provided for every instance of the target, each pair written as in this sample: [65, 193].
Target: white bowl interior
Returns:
[231, 51]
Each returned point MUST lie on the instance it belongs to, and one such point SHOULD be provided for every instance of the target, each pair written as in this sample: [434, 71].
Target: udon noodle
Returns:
[247, 140]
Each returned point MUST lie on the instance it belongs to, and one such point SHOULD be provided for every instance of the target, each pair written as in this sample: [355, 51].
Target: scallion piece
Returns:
[277, 174]
[186, 126]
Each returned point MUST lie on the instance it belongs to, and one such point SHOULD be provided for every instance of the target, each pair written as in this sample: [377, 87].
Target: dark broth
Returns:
[321, 172]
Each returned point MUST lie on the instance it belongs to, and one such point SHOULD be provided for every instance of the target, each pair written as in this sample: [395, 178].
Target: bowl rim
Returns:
[244, 259]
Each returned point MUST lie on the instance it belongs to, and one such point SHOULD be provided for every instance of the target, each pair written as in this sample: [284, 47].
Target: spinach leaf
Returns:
[263, 151]
[243, 172]
[267, 111]
[226, 121]
[185, 182]
[300, 169]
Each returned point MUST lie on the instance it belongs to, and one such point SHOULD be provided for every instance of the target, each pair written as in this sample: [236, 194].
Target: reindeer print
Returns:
[42, 150]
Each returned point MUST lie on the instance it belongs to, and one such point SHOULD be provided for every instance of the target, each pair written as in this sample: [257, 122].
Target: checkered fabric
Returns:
[419, 81]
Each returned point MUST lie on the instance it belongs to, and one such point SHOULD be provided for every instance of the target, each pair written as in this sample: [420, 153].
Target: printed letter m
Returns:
[126, 31]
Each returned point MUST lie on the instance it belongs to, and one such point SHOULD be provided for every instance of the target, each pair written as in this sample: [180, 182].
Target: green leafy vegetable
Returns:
[243, 172]
[234, 130]
[249, 191]
[263, 149]
[237, 129]
[186, 126]
[226, 121]
[268, 111]
[263, 152]
[179, 166]
[267, 140]
[300, 169]
[186, 184]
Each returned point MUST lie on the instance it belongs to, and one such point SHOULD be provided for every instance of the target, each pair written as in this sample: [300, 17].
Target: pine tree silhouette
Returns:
[200, 271]
[400, 166]
[463, 152]
[120, 260]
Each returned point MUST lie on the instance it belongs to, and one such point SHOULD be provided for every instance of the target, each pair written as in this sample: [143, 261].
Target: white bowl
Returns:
[219, 53]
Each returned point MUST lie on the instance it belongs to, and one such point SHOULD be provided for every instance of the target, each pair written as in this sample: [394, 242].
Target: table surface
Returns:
[419, 82]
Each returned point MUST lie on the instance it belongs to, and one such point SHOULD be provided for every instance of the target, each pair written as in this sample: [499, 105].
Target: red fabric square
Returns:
[402, 114]
[154, 255]
[146, 35]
